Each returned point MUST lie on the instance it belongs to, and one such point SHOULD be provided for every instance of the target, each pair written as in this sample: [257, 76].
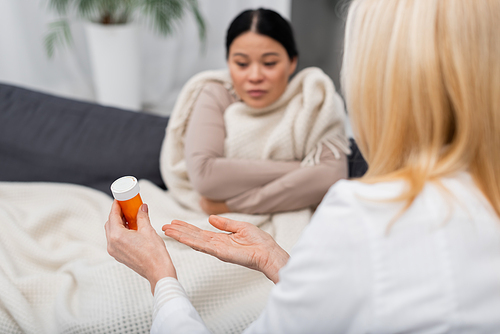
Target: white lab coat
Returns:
[436, 270]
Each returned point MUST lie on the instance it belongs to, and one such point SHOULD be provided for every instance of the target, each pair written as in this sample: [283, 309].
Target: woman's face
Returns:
[260, 68]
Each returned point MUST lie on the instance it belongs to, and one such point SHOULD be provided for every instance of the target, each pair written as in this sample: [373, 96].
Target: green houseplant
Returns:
[160, 15]
[112, 38]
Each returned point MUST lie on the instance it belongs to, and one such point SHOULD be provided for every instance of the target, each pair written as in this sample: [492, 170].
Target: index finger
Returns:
[192, 236]
[178, 227]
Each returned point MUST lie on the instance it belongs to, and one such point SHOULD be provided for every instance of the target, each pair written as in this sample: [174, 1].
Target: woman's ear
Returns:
[293, 65]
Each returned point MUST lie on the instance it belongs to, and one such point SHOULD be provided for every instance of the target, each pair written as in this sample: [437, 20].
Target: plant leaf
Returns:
[60, 6]
[163, 13]
[87, 8]
[202, 29]
[59, 34]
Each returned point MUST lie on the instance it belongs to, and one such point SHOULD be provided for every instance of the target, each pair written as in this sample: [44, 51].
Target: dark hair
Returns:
[265, 22]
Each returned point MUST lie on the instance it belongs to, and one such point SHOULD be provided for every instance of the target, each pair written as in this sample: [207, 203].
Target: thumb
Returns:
[143, 216]
[226, 224]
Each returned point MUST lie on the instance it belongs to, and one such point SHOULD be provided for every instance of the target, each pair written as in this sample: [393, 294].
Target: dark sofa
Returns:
[54, 139]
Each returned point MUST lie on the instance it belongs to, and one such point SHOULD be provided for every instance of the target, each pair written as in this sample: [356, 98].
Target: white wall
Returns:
[167, 63]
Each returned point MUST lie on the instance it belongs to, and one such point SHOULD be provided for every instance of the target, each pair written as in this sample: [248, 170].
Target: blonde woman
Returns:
[413, 246]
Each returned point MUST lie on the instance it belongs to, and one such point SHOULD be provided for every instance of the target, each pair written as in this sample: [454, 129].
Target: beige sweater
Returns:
[250, 186]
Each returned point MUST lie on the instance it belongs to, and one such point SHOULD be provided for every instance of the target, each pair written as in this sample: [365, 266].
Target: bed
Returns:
[58, 158]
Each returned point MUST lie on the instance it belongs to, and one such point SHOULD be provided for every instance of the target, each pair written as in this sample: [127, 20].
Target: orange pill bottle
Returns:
[126, 191]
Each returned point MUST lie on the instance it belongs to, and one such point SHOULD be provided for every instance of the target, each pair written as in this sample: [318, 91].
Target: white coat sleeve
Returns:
[173, 312]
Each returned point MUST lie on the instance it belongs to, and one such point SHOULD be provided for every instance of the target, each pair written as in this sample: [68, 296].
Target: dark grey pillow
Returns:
[49, 138]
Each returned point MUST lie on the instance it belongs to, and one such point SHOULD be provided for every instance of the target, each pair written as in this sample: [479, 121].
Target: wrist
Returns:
[161, 270]
[277, 259]
[154, 279]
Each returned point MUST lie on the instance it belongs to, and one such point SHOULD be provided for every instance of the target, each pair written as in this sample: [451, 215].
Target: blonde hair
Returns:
[421, 80]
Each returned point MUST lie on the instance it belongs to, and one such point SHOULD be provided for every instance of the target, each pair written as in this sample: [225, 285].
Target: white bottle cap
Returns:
[125, 188]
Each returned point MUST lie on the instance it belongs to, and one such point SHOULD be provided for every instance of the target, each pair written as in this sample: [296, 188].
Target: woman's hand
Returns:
[246, 245]
[143, 250]
[212, 207]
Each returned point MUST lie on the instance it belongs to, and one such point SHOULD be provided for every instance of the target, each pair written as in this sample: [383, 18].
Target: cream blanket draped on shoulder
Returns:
[56, 275]
[309, 114]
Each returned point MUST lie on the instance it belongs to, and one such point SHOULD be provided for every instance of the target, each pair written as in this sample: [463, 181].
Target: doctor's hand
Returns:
[246, 245]
[143, 250]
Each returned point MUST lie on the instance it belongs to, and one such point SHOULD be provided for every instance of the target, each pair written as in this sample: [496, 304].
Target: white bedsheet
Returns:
[56, 275]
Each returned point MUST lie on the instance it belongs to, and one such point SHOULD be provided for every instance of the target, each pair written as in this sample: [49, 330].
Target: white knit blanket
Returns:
[309, 114]
[56, 275]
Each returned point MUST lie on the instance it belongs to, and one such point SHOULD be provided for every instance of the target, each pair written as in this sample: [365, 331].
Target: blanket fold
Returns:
[310, 113]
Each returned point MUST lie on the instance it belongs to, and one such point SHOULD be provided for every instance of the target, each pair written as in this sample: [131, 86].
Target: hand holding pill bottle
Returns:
[126, 191]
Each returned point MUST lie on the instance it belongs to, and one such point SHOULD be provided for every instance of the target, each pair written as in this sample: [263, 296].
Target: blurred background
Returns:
[166, 62]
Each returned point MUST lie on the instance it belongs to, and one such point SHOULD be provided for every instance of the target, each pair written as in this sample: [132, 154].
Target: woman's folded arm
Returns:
[211, 174]
[298, 189]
